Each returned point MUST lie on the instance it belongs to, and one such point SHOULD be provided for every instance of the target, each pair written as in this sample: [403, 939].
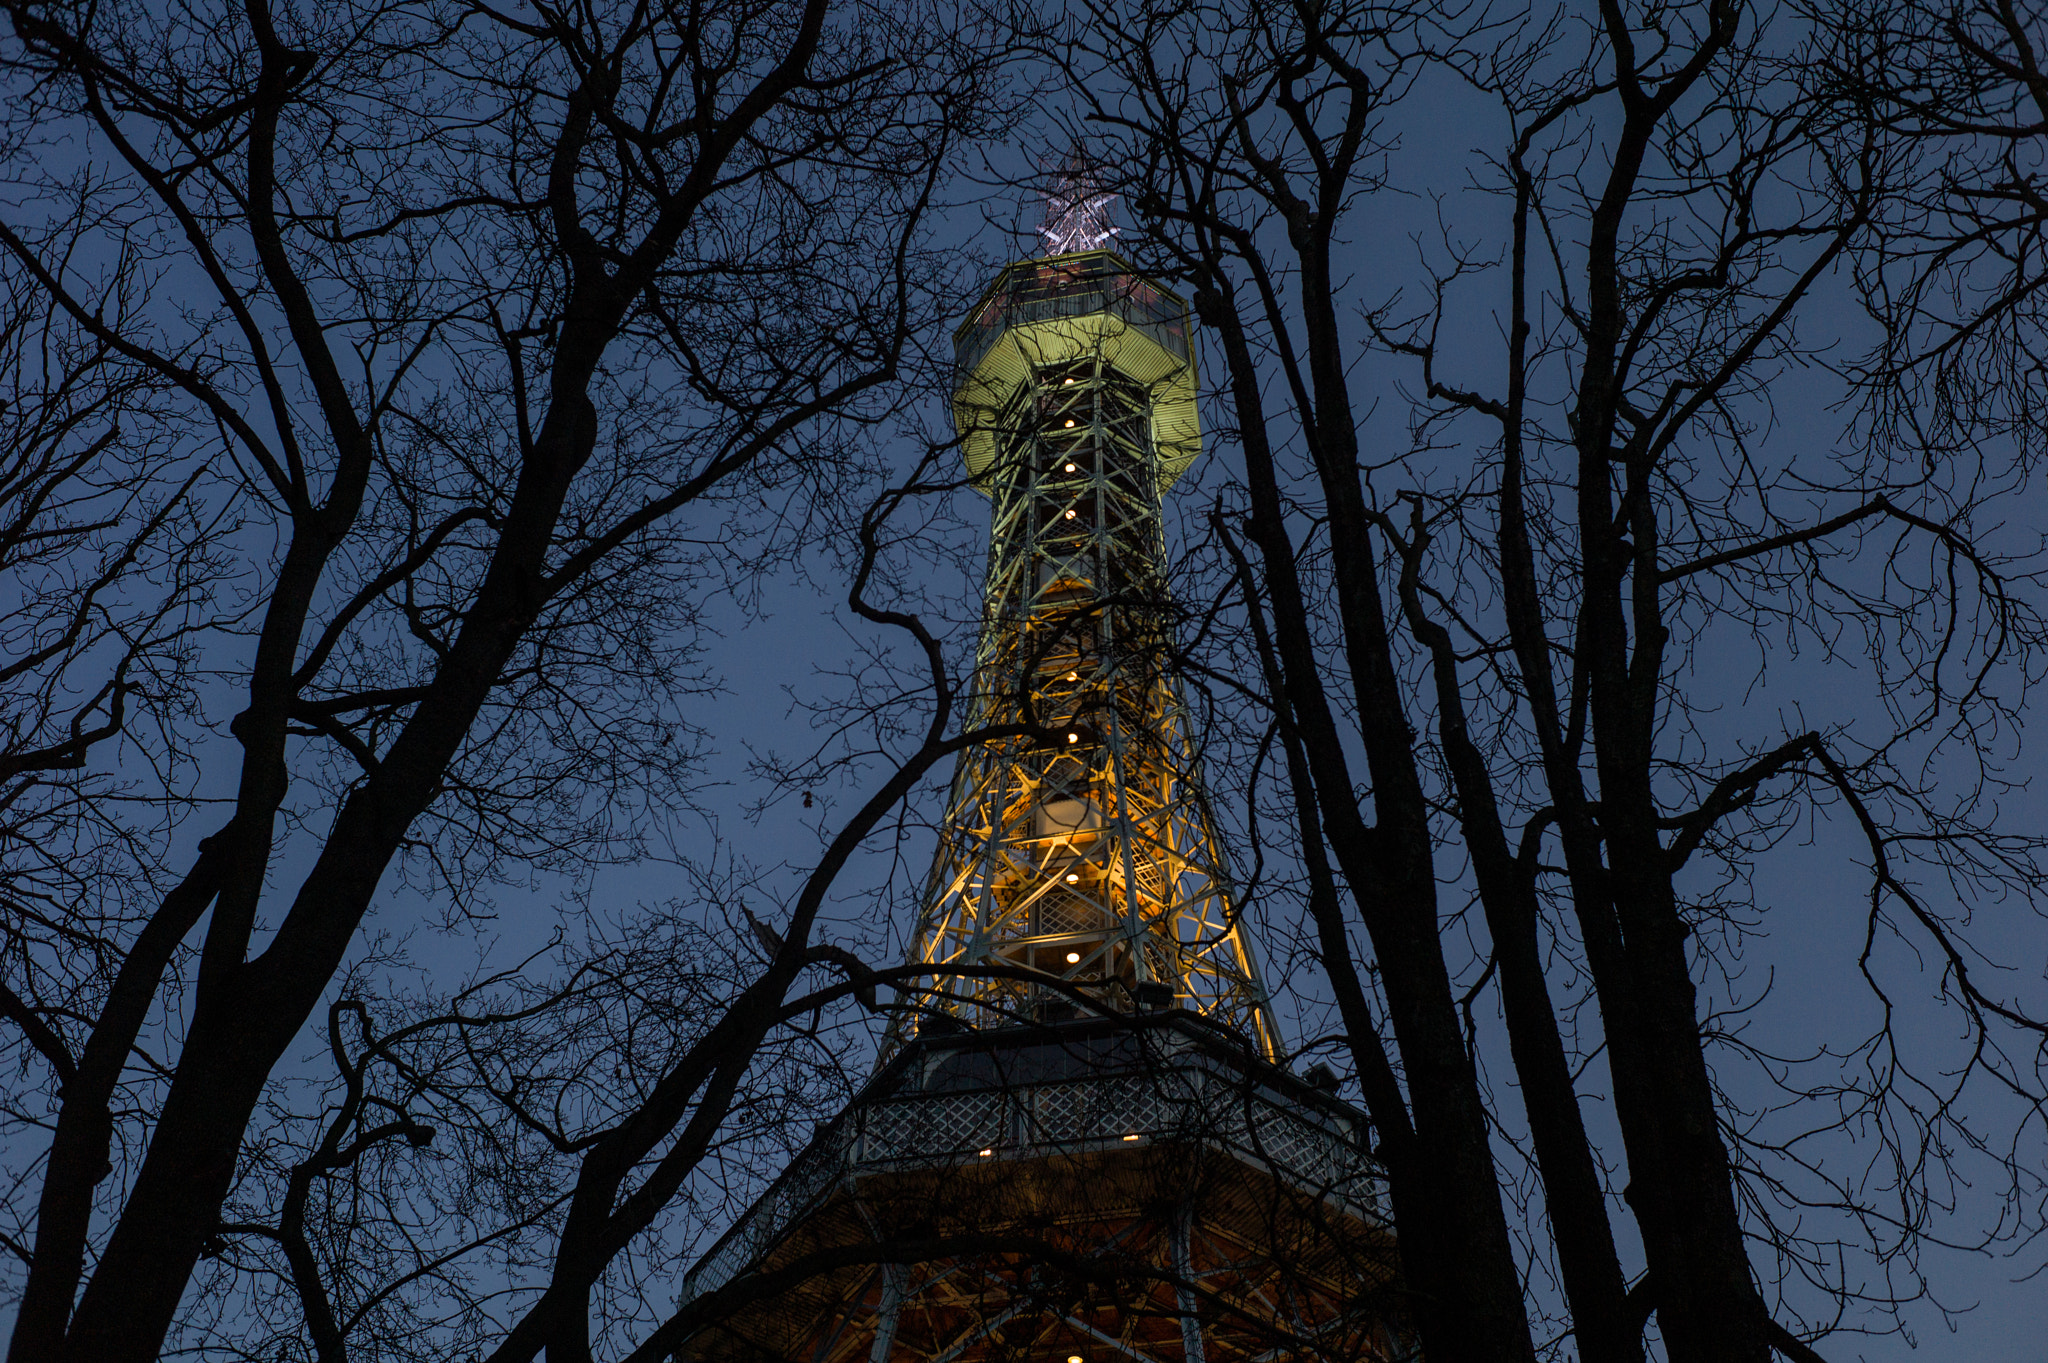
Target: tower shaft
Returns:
[1083, 851]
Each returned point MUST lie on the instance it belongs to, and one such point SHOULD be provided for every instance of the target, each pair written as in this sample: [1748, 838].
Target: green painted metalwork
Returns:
[1042, 313]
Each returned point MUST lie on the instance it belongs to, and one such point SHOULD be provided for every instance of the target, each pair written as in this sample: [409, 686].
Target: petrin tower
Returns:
[1079, 1146]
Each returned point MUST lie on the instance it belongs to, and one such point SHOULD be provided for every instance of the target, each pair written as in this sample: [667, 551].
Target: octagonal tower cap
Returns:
[1058, 309]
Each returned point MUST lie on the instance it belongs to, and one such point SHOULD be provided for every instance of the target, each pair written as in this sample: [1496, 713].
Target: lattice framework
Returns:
[1088, 853]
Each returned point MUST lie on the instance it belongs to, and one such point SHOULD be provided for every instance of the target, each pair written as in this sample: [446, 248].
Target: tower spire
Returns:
[1077, 206]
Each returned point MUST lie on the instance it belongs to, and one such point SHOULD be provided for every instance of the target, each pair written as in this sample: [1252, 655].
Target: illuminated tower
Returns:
[1080, 1145]
[1085, 852]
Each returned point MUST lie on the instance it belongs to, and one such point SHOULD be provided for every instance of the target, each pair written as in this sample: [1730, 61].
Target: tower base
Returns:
[1136, 1188]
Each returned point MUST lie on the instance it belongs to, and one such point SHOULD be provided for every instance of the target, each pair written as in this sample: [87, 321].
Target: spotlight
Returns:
[1072, 469]
[1073, 958]
[986, 1153]
[1073, 877]
[1071, 513]
[1073, 738]
[1134, 1136]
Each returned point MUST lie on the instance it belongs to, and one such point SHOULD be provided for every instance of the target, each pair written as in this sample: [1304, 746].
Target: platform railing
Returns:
[1182, 1100]
[1041, 292]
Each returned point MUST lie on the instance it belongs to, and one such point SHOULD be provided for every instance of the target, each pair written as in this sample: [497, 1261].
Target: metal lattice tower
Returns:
[1089, 1153]
[1087, 852]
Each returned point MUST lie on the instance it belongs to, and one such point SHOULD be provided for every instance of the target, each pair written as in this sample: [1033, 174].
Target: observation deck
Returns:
[1083, 1134]
[1041, 313]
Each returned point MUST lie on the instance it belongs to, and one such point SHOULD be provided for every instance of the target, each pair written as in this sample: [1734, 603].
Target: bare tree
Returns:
[523, 332]
[1953, 281]
[106, 575]
[516, 335]
[1492, 659]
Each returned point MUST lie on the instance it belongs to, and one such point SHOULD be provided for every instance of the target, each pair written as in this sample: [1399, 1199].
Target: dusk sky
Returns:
[798, 709]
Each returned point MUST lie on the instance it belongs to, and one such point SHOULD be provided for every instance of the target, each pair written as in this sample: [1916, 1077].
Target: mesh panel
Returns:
[814, 1172]
[1319, 1159]
[1064, 911]
[1134, 1109]
[935, 1126]
[1099, 1111]
[1064, 1112]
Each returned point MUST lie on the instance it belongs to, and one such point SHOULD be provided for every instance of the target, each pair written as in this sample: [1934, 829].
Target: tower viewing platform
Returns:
[1041, 313]
[1162, 1161]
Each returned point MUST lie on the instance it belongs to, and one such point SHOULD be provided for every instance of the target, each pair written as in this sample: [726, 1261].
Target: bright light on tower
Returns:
[1077, 207]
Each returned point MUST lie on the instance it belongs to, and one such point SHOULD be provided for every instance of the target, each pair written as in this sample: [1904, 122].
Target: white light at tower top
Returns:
[1077, 208]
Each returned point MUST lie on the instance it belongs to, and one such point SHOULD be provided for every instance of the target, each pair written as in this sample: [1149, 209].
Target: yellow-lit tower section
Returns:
[1086, 852]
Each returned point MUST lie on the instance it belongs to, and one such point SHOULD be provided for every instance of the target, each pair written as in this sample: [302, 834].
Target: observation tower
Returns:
[1081, 1145]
